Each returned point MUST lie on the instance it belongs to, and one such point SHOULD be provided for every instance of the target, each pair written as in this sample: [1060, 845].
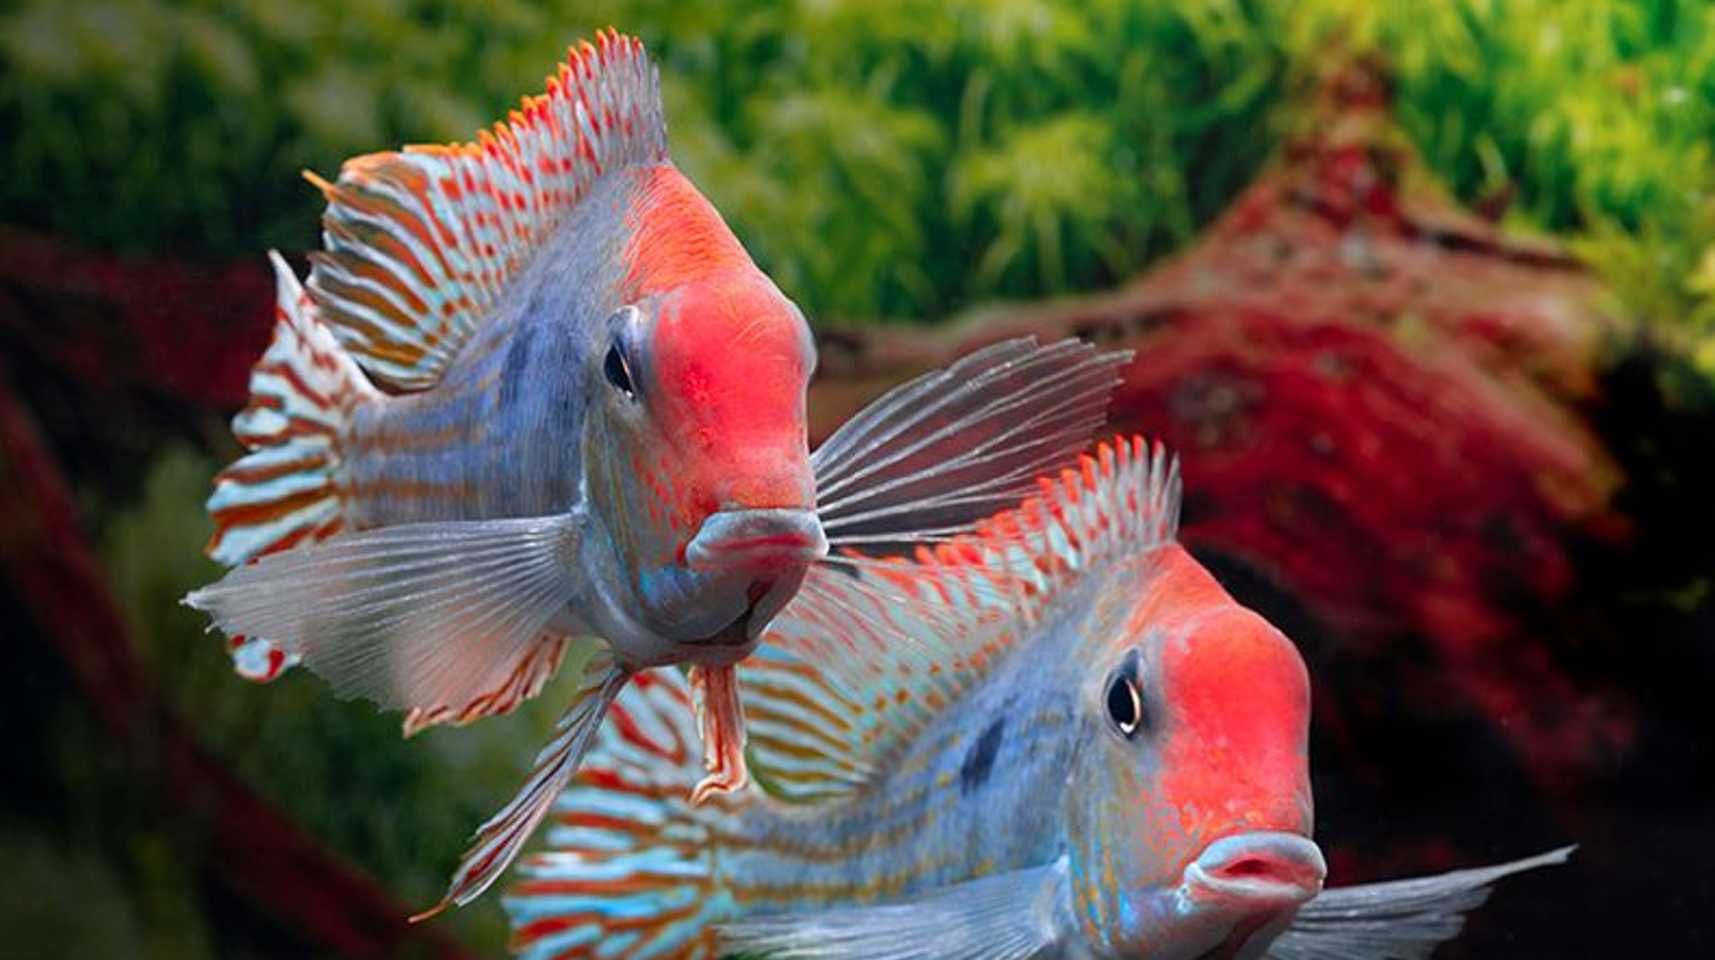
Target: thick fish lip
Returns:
[757, 541]
[1265, 868]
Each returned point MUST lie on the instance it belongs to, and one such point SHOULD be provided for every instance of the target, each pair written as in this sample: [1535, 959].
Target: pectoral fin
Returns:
[934, 455]
[1397, 920]
[498, 841]
[428, 616]
[1009, 916]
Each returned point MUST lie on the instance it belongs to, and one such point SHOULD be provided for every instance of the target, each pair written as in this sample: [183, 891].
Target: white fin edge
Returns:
[933, 455]
[417, 615]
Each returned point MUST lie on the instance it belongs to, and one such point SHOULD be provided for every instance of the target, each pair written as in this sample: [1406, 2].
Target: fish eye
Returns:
[618, 371]
[1124, 702]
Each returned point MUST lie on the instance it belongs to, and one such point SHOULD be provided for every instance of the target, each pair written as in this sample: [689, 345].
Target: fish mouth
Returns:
[739, 633]
[758, 541]
[1264, 869]
[764, 598]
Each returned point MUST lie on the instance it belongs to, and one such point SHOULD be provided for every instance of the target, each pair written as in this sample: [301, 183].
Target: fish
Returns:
[1100, 754]
[535, 406]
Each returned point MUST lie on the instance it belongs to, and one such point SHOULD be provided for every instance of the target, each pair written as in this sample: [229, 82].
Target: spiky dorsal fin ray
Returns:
[937, 454]
[861, 660]
[421, 242]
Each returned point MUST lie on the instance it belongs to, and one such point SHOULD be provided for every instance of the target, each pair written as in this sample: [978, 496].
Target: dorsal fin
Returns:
[861, 659]
[420, 242]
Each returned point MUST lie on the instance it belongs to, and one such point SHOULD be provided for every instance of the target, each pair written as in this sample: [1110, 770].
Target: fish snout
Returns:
[1264, 869]
[757, 541]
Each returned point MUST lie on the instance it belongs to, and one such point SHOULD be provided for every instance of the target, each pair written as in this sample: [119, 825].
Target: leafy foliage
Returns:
[881, 159]
[1599, 114]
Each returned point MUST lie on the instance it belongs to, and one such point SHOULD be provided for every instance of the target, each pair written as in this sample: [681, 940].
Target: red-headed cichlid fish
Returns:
[537, 404]
[1100, 754]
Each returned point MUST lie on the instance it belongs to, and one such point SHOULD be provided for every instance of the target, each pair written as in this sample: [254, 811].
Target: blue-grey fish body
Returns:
[1099, 754]
[537, 403]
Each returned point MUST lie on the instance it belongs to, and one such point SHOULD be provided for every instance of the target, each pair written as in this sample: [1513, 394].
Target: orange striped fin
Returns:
[863, 657]
[421, 242]
[530, 672]
[285, 491]
[498, 841]
[629, 869]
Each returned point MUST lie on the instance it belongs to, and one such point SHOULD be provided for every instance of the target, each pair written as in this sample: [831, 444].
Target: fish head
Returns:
[702, 456]
[1193, 834]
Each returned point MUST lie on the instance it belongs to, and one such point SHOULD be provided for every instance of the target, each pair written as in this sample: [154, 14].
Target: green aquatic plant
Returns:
[883, 160]
[1598, 117]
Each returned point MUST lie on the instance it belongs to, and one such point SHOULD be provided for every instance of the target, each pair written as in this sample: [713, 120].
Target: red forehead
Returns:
[1236, 708]
[731, 365]
[730, 358]
[674, 235]
[1234, 677]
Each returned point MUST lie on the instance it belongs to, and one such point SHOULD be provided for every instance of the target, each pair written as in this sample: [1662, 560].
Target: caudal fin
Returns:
[629, 869]
[286, 490]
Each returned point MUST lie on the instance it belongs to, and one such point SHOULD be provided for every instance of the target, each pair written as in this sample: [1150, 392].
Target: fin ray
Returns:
[498, 841]
[1397, 919]
[1008, 916]
[720, 718]
[530, 672]
[888, 641]
[935, 454]
[286, 491]
[302, 392]
[629, 862]
[433, 616]
[419, 243]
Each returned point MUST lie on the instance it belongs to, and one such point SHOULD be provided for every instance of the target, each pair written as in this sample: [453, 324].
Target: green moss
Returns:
[881, 159]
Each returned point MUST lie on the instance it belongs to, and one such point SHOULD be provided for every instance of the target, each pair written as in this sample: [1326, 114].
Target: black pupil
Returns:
[1122, 704]
[617, 372]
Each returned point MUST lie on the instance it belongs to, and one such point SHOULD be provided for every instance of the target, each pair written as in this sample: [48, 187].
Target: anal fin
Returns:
[498, 841]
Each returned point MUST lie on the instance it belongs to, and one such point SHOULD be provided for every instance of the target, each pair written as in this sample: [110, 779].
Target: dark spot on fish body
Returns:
[567, 411]
[979, 763]
[513, 372]
[557, 369]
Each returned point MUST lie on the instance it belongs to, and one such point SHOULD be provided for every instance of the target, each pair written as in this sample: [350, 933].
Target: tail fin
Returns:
[285, 491]
[629, 872]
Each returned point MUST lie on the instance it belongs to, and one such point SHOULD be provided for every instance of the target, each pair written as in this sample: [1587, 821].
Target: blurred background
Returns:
[1424, 294]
